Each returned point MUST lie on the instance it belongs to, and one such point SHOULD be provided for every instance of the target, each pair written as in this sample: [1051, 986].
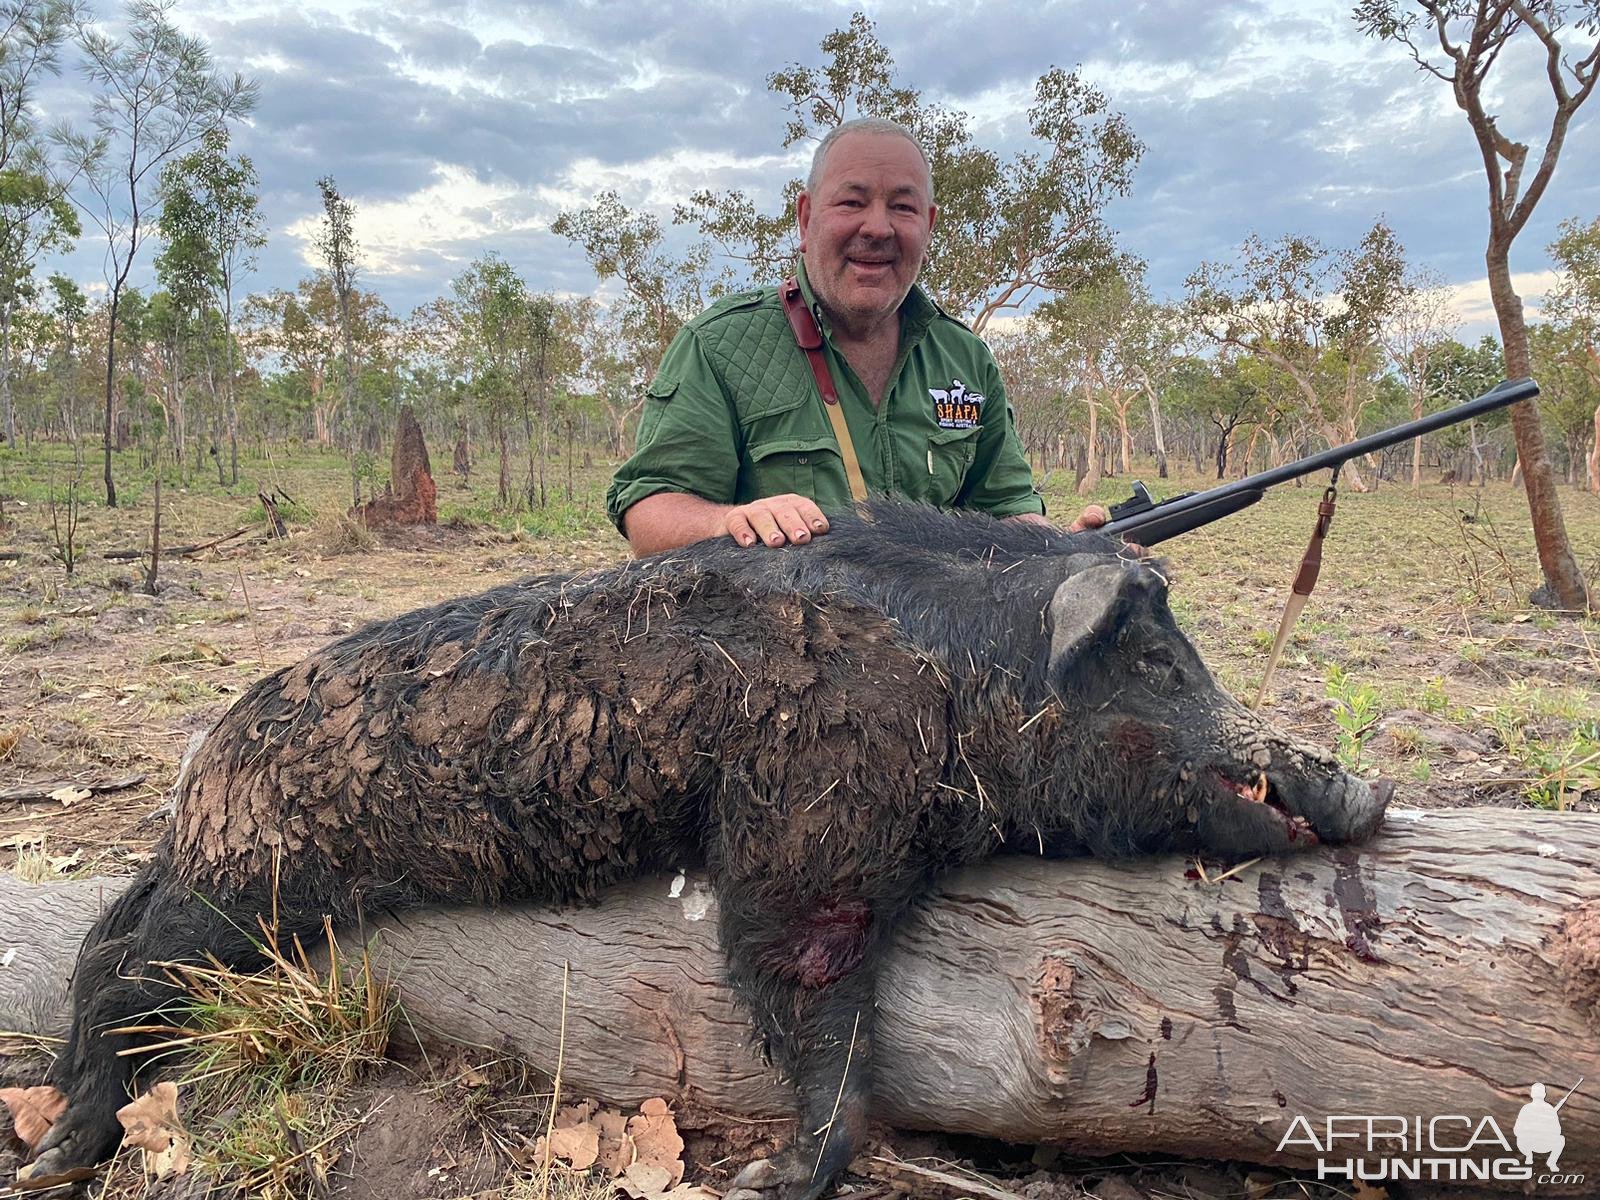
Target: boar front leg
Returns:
[807, 971]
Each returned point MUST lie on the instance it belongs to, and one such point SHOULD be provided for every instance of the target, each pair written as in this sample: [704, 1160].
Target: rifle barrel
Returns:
[1500, 396]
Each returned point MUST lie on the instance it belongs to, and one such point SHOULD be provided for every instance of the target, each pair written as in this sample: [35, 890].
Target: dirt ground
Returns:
[1419, 659]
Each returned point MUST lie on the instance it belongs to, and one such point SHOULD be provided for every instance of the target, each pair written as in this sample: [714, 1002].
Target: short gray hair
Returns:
[874, 125]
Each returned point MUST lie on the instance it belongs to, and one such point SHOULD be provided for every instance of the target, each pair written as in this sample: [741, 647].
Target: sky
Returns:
[458, 129]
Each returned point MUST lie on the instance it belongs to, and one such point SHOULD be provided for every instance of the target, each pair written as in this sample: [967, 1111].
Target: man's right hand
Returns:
[775, 520]
[667, 520]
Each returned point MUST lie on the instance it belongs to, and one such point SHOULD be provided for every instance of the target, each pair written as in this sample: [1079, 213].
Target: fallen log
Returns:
[179, 551]
[1436, 972]
[46, 791]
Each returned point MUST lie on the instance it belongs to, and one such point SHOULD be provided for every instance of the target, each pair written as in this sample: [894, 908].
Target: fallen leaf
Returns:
[578, 1144]
[69, 795]
[33, 1110]
[27, 1181]
[20, 841]
[644, 1181]
[1365, 1191]
[66, 862]
[151, 1123]
[655, 1135]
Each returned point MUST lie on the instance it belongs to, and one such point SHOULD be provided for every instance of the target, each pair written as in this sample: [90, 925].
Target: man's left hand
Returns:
[1090, 518]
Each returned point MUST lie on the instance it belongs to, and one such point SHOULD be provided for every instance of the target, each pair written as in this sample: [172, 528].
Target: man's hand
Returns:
[667, 520]
[775, 520]
[1090, 518]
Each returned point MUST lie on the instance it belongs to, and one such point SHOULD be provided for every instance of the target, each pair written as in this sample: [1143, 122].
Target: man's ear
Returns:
[933, 216]
[802, 216]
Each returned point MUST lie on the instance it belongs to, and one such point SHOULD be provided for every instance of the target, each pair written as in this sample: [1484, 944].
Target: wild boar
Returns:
[827, 728]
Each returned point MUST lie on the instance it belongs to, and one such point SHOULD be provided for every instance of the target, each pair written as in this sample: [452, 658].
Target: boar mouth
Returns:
[1262, 792]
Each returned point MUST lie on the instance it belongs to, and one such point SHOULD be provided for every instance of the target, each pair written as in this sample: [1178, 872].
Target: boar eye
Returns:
[1160, 656]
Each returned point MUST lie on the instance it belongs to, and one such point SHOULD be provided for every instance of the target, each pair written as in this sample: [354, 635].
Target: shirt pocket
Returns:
[801, 464]
[950, 456]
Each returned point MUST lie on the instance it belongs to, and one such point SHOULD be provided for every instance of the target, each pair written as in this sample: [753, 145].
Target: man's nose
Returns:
[875, 221]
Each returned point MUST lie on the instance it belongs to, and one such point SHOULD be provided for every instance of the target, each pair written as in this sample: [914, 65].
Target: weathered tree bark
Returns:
[1442, 969]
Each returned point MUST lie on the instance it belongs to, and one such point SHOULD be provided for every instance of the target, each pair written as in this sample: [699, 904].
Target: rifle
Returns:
[1141, 519]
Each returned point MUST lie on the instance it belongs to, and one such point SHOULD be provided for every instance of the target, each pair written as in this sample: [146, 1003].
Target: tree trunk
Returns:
[1124, 438]
[1594, 455]
[1249, 455]
[1091, 475]
[111, 375]
[1564, 586]
[505, 461]
[217, 415]
[1155, 424]
[229, 389]
[1105, 1008]
[10, 429]
[1416, 445]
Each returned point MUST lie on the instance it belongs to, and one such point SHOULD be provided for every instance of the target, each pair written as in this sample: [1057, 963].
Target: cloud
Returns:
[462, 129]
[1472, 303]
[397, 237]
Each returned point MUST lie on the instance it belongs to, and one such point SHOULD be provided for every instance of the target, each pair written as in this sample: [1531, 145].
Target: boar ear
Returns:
[1091, 603]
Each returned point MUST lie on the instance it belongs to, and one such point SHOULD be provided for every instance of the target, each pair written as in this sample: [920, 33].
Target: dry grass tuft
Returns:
[270, 1053]
[337, 534]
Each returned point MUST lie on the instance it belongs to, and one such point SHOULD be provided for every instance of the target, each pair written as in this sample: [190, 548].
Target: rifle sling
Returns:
[1305, 580]
[808, 336]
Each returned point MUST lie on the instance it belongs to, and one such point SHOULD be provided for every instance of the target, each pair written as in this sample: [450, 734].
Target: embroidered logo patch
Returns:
[957, 408]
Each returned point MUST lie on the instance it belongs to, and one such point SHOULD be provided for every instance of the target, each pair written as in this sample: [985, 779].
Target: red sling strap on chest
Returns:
[808, 336]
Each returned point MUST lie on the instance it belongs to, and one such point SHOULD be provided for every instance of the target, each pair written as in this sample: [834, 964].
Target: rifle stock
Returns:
[1145, 521]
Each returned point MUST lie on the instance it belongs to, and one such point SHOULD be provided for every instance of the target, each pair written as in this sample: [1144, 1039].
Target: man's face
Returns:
[865, 229]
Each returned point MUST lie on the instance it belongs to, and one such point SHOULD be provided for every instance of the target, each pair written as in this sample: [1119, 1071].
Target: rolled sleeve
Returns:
[688, 439]
[1000, 482]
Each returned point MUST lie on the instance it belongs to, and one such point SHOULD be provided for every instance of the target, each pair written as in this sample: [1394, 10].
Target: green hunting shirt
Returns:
[733, 414]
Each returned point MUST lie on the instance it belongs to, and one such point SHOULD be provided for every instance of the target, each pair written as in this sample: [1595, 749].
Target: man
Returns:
[734, 440]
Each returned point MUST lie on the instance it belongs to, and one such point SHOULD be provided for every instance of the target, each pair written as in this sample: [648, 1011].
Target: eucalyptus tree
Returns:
[661, 288]
[1574, 302]
[1096, 324]
[1569, 392]
[1314, 314]
[336, 245]
[492, 301]
[69, 308]
[1464, 44]
[211, 209]
[1010, 231]
[534, 328]
[155, 95]
[38, 166]
[1413, 333]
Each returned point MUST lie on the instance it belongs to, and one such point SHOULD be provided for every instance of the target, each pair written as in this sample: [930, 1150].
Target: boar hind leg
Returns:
[115, 984]
[808, 978]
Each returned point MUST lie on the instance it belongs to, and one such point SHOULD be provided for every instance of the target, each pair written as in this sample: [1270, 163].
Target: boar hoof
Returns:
[75, 1141]
[783, 1178]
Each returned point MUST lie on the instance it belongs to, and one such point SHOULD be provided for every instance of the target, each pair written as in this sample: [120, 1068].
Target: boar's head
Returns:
[1154, 756]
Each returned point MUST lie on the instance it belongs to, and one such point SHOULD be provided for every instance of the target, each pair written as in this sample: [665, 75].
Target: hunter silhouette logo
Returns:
[1538, 1127]
[956, 407]
[1449, 1147]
